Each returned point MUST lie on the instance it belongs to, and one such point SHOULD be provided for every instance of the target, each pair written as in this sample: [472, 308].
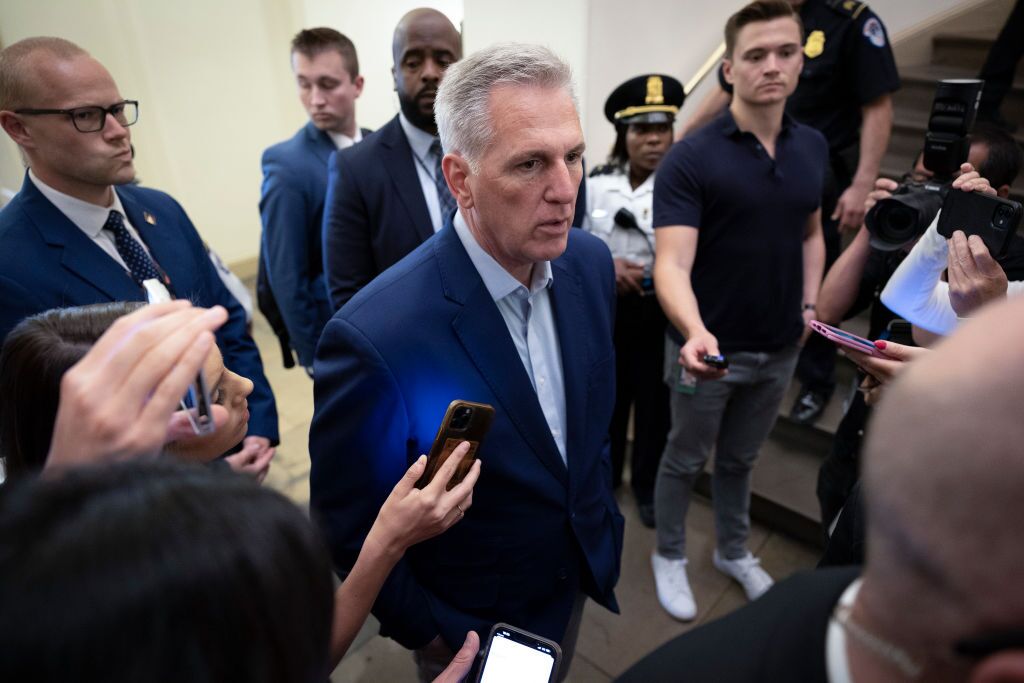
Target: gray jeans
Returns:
[734, 414]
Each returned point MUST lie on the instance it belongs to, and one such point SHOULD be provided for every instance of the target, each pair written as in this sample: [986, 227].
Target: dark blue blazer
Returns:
[292, 209]
[422, 334]
[375, 211]
[48, 262]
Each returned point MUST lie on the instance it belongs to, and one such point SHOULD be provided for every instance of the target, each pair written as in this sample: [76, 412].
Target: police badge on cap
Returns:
[654, 98]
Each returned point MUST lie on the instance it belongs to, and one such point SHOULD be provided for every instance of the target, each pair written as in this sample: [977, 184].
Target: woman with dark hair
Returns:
[38, 352]
[619, 204]
[129, 573]
[159, 573]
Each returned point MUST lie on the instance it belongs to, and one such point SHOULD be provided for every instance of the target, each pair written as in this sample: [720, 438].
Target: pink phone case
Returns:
[843, 338]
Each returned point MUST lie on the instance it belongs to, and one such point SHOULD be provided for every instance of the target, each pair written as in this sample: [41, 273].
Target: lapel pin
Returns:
[150, 218]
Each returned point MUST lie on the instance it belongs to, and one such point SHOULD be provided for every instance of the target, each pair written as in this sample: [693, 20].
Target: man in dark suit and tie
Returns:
[506, 305]
[387, 195]
[78, 233]
[326, 71]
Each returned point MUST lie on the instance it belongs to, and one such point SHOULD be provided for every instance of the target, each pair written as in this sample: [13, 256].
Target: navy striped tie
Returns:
[444, 196]
[134, 256]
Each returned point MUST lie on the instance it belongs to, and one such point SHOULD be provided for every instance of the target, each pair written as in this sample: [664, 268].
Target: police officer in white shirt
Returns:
[619, 200]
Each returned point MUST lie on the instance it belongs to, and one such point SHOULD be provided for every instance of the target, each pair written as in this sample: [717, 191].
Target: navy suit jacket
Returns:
[427, 332]
[48, 262]
[375, 211]
[292, 209]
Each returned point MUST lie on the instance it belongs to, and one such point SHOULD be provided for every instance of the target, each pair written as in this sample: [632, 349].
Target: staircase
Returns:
[784, 480]
[958, 54]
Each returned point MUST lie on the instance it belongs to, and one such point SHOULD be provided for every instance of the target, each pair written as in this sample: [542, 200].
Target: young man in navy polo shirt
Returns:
[740, 258]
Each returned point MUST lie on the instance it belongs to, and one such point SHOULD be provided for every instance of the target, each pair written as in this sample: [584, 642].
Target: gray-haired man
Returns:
[507, 306]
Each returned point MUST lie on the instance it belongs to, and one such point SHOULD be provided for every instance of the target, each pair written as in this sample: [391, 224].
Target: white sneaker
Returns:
[674, 592]
[747, 571]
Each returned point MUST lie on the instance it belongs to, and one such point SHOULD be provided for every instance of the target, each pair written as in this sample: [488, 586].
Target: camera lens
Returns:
[1002, 217]
[460, 420]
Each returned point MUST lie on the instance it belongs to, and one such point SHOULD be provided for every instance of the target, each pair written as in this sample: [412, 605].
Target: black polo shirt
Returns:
[848, 63]
[751, 212]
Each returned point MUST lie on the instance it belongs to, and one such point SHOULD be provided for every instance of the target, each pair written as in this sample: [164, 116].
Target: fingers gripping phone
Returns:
[517, 656]
[993, 219]
[844, 338]
[463, 421]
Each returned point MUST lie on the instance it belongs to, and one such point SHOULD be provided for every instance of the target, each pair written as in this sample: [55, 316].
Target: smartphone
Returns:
[844, 338]
[993, 219]
[196, 403]
[719, 361]
[517, 656]
[463, 421]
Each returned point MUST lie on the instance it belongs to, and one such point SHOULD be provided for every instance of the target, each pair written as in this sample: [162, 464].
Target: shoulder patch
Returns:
[604, 169]
[850, 8]
[874, 32]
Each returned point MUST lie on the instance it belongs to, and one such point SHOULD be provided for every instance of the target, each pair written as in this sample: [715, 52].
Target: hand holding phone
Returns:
[463, 421]
[517, 656]
[993, 219]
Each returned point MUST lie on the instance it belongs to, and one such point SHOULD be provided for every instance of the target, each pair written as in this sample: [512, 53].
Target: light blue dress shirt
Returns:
[531, 323]
[420, 142]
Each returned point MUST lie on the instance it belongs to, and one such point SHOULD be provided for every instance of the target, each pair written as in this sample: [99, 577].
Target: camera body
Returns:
[898, 220]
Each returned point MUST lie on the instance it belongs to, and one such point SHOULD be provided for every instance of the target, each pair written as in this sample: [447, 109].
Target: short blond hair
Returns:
[15, 71]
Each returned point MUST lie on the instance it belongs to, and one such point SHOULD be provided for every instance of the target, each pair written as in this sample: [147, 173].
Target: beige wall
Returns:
[216, 89]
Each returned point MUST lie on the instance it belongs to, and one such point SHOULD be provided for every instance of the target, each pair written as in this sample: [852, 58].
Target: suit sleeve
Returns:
[239, 350]
[359, 449]
[348, 252]
[284, 212]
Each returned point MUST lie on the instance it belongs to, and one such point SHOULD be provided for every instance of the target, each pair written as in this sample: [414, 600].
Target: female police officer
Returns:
[619, 200]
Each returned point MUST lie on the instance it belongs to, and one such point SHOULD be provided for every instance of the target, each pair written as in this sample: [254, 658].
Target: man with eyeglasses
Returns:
[79, 233]
[939, 597]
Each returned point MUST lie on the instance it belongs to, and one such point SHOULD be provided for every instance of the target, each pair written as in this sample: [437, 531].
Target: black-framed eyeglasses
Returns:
[91, 119]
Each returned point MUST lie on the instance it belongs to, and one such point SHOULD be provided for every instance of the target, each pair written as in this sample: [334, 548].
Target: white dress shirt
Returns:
[606, 194]
[342, 141]
[837, 662]
[420, 142]
[531, 323]
[90, 218]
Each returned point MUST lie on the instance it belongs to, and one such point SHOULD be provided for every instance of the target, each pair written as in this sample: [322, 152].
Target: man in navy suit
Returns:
[506, 305]
[77, 233]
[326, 71]
[386, 196]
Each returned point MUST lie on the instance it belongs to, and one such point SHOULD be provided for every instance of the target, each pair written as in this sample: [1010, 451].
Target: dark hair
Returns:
[760, 10]
[619, 155]
[34, 358]
[312, 41]
[160, 572]
[1004, 154]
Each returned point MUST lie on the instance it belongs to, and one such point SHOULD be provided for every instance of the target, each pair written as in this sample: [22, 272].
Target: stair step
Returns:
[918, 91]
[967, 49]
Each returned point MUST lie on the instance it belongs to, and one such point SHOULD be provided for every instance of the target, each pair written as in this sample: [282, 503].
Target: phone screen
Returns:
[516, 658]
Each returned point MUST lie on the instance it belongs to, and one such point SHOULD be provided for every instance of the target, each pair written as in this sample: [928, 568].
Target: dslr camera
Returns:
[898, 220]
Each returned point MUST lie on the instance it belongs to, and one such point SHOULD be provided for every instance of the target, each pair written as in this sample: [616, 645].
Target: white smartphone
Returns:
[518, 656]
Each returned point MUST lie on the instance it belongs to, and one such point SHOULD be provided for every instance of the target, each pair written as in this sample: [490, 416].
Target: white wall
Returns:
[559, 24]
[214, 87]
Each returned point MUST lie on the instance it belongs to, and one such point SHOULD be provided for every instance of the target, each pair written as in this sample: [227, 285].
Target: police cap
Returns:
[652, 98]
